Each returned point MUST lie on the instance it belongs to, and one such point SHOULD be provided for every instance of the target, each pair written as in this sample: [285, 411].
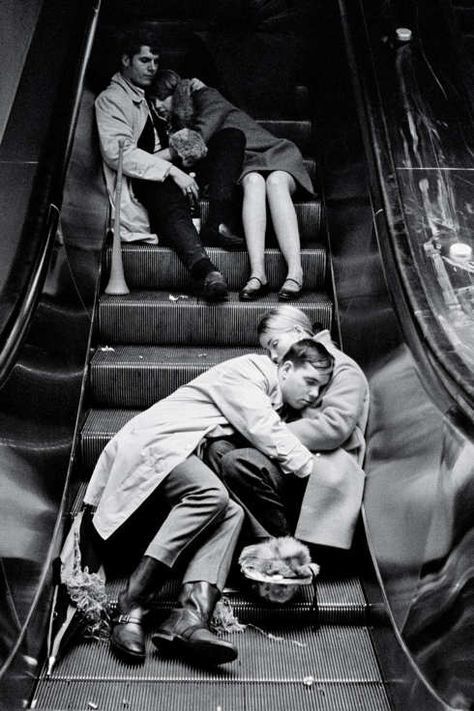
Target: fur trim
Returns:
[283, 556]
[188, 145]
[182, 107]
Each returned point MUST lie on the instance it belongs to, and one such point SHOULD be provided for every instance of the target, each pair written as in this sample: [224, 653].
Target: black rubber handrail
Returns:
[17, 326]
[440, 364]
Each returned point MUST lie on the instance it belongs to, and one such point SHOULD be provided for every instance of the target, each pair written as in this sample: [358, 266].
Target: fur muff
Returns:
[285, 557]
[188, 146]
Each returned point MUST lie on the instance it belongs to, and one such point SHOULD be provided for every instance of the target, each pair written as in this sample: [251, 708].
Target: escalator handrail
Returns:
[444, 364]
[24, 309]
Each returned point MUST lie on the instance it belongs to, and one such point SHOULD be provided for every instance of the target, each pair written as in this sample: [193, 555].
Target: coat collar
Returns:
[136, 93]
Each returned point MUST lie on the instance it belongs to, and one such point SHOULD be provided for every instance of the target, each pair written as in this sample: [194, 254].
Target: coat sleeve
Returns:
[332, 422]
[114, 123]
[211, 110]
[245, 403]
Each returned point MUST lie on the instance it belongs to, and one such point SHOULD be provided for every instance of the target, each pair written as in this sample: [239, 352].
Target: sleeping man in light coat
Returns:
[156, 454]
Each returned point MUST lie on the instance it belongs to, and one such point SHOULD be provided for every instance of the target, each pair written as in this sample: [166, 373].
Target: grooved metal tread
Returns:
[138, 376]
[185, 695]
[279, 667]
[155, 267]
[161, 317]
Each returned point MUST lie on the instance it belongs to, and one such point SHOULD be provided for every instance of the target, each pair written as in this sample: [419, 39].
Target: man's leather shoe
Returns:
[221, 236]
[214, 287]
[187, 630]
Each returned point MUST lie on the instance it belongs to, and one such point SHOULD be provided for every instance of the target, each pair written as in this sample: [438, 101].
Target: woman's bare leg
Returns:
[254, 219]
[280, 186]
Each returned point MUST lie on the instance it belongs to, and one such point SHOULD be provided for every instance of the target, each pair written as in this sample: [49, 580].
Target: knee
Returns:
[278, 180]
[217, 497]
[252, 181]
[240, 464]
[233, 137]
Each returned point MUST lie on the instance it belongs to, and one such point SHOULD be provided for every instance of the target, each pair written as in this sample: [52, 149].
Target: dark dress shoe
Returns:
[127, 639]
[214, 287]
[250, 293]
[221, 236]
[286, 294]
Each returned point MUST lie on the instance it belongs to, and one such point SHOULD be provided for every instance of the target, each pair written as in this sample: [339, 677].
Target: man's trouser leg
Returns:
[270, 499]
[220, 171]
[170, 217]
[203, 524]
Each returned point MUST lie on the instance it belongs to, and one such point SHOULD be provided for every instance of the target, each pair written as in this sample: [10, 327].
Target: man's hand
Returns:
[188, 185]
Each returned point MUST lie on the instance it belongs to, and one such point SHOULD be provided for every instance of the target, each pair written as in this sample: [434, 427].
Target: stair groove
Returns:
[155, 267]
[158, 318]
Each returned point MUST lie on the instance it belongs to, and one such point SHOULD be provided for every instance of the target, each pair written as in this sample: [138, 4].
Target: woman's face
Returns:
[277, 342]
[163, 106]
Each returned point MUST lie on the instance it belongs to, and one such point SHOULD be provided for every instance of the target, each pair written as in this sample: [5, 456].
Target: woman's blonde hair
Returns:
[284, 318]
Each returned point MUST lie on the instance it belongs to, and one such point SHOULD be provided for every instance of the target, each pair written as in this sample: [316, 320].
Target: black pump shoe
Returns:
[290, 294]
[250, 294]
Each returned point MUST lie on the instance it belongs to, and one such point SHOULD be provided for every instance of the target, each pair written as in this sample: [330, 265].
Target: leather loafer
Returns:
[223, 237]
[286, 294]
[214, 287]
[249, 293]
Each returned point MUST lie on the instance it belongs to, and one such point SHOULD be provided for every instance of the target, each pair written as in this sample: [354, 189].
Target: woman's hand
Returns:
[195, 84]
[187, 185]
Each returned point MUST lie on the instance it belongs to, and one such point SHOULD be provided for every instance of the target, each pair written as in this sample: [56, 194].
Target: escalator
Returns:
[159, 336]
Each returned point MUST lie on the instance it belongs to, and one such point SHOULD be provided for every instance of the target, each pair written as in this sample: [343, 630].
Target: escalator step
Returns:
[138, 376]
[328, 668]
[152, 267]
[205, 696]
[297, 130]
[158, 318]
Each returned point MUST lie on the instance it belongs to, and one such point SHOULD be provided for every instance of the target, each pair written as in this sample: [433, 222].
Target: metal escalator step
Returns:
[184, 695]
[341, 601]
[308, 214]
[333, 667]
[289, 654]
[152, 267]
[297, 130]
[157, 318]
[138, 376]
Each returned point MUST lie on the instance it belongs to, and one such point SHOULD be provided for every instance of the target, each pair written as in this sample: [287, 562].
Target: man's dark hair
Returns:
[136, 37]
[306, 351]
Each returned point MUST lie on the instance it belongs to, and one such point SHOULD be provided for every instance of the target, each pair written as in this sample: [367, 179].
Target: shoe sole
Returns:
[201, 653]
[126, 655]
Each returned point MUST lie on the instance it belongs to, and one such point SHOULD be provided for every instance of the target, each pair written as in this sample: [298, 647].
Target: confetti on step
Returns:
[107, 349]
[172, 297]
[309, 680]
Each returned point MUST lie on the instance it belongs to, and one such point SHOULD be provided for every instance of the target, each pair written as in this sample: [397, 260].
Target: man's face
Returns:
[300, 385]
[140, 68]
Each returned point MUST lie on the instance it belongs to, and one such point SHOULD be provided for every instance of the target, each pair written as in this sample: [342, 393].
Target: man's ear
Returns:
[285, 369]
[125, 60]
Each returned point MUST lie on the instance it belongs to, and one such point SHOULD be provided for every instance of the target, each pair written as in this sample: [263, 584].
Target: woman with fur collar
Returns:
[273, 171]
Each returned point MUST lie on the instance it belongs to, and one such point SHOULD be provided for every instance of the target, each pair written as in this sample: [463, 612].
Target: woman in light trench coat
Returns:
[327, 504]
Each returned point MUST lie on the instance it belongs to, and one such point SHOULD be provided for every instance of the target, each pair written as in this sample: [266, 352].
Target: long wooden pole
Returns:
[117, 283]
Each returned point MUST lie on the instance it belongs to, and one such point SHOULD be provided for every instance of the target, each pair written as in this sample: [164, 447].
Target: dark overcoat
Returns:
[264, 152]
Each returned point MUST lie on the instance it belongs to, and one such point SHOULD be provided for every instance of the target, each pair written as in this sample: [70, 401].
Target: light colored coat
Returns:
[242, 392]
[121, 113]
[334, 429]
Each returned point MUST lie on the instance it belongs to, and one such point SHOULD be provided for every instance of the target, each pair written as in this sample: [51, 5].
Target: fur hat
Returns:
[278, 567]
[188, 145]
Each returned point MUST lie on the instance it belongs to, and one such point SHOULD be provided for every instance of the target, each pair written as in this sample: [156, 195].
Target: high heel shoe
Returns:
[286, 294]
[249, 293]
